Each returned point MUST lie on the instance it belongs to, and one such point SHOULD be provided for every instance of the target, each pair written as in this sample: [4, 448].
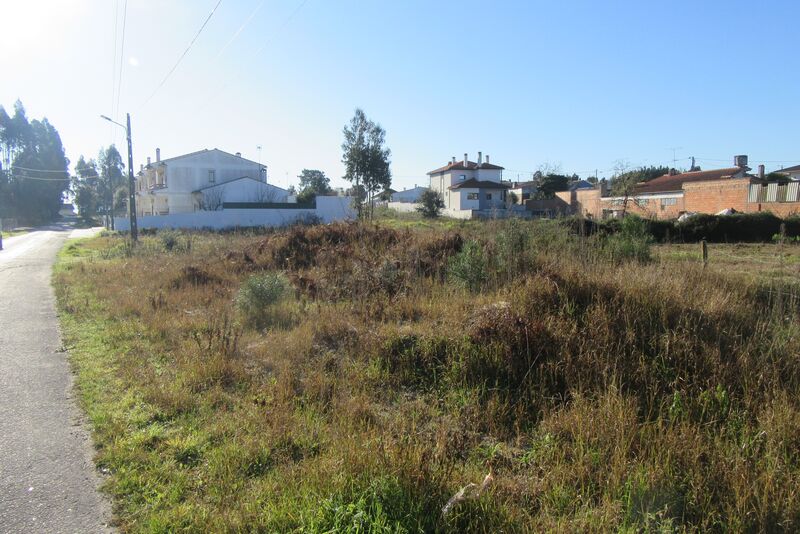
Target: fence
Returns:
[328, 209]
[774, 192]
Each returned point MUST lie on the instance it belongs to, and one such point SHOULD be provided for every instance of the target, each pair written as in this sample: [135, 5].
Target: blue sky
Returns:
[579, 84]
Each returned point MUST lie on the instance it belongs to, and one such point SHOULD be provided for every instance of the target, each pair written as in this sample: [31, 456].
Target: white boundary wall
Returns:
[329, 209]
[403, 207]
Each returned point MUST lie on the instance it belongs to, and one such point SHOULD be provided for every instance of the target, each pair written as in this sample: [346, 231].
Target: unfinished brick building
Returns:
[673, 194]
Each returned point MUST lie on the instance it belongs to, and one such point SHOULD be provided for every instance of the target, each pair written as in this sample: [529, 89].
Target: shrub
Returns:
[511, 243]
[632, 242]
[171, 241]
[258, 294]
[740, 227]
[430, 204]
[468, 268]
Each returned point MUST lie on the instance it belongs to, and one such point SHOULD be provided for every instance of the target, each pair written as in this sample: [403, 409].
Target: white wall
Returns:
[403, 207]
[329, 209]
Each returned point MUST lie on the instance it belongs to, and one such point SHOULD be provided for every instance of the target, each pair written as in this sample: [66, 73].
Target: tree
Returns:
[313, 182]
[33, 168]
[550, 184]
[430, 204]
[624, 182]
[111, 178]
[85, 188]
[212, 199]
[365, 157]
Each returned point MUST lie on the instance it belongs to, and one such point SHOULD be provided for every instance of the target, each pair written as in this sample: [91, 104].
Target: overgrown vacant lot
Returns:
[352, 378]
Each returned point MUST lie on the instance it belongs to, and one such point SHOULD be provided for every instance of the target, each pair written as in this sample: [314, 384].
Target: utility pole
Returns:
[131, 187]
[131, 183]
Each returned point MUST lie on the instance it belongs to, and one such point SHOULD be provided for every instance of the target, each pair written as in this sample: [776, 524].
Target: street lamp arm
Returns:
[109, 119]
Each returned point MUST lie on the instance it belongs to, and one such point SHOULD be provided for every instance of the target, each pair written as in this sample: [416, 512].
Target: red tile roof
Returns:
[470, 166]
[485, 184]
[675, 182]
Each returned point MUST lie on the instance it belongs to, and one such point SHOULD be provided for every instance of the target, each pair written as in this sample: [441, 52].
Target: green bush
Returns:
[632, 242]
[430, 204]
[511, 244]
[258, 297]
[469, 267]
[740, 227]
[172, 242]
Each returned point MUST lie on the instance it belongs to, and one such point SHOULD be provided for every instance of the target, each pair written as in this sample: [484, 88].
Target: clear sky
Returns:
[576, 83]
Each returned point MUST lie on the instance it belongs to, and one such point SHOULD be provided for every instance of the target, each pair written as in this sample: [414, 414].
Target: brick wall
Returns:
[780, 209]
[715, 196]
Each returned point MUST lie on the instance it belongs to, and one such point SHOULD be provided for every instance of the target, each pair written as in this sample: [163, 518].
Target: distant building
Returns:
[792, 172]
[580, 184]
[202, 181]
[467, 186]
[732, 189]
[524, 190]
[408, 195]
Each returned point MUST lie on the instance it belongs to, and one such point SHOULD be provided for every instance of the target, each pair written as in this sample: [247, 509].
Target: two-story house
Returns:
[202, 180]
[468, 185]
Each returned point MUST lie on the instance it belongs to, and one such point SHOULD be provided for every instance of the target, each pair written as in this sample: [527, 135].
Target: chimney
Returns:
[487, 158]
[158, 155]
[148, 161]
[480, 158]
[238, 154]
[454, 160]
[466, 161]
[761, 171]
[141, 167]
[740, 161]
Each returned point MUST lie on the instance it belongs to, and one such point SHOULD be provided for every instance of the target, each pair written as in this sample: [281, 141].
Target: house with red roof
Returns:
[731, 189]
[470, 187]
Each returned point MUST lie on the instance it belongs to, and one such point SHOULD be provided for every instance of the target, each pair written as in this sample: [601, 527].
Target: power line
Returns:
[121, 59]
[242, 27]
[34, 170]
[114, 63]
[222, 87]
[160, 85]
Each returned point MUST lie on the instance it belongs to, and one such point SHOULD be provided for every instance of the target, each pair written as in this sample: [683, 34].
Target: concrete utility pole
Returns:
[131, 188]
[131, 182]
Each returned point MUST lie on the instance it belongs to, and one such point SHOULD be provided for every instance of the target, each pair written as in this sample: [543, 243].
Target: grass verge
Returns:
[374, 371]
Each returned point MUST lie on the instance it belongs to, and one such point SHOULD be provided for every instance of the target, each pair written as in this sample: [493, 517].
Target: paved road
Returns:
[47, 479]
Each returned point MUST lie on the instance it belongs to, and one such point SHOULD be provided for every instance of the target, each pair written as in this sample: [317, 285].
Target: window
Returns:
[462, 177]
[212, 176]
[668, 202]
[472, 196]
[488, 196]
[641, 202]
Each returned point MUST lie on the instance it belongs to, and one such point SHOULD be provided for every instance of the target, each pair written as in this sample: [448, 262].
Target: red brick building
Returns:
[673, 194]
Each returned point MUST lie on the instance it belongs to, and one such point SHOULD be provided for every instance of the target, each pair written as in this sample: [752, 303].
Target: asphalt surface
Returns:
[48, 482]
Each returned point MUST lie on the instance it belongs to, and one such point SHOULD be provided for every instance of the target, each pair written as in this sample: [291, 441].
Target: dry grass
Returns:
[603, 394]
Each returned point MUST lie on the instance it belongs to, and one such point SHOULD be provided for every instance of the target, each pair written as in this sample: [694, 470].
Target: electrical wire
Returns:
[242, 27]
[17, 167]
[114, 64]
[160, 85]
[212, 96]
[121, 60]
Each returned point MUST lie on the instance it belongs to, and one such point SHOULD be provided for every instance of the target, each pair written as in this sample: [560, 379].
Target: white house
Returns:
[792, 172]
[468, 186]
[408, 195]
[202, 180]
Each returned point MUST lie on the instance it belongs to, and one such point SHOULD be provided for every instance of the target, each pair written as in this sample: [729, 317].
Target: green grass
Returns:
[603, 387]
[14, 233]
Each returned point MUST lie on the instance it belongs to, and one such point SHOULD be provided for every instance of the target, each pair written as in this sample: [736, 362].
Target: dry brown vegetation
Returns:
[602, 393]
